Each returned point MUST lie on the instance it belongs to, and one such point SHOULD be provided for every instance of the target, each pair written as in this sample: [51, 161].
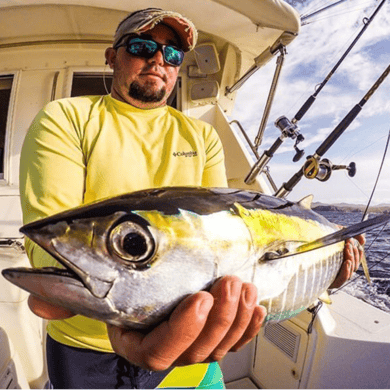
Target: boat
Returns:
[54, 49]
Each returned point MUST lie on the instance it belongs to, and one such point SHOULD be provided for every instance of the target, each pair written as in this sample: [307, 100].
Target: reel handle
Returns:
[322, 169]
[351, 168]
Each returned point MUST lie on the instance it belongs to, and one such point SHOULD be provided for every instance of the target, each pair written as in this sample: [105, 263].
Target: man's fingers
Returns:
[160, 348]
[247, 304]
[345, 270]
[361, 238]
[353, 252]
[359, 242]
[47, 310]
[258, 317]
[356, 258]
[126, 343]
[174, 337]
[226, 292]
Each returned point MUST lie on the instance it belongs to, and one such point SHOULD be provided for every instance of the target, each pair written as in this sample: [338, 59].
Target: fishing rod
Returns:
[309, 102]
[314, 167]
[289, 129]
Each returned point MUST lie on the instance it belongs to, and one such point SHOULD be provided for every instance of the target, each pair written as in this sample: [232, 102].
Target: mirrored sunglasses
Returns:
[147, 48]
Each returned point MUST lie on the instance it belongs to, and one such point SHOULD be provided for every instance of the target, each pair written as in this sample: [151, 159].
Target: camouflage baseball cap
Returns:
[144, 20]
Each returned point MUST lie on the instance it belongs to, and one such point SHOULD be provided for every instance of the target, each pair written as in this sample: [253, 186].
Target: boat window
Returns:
[90, 84]
[5, 94]
[174, 100]
[93, 84]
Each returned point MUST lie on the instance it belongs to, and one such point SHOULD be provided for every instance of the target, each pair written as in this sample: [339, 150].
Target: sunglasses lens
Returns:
[142, 47]
[147, 48]
[173, 56]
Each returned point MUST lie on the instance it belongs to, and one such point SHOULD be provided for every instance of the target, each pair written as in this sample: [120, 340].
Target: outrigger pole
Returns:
[289, 128]
[314, 167]
[305, 17]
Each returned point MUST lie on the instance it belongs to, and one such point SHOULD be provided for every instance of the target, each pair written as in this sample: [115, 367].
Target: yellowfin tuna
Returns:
[131, 259]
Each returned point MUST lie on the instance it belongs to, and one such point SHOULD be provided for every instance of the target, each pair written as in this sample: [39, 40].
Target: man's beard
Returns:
[146, 94]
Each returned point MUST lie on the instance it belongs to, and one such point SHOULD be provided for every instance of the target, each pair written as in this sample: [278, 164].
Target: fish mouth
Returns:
[64, 288]
[50, 283]
[71, 273]
[29, 278]
[60, 272]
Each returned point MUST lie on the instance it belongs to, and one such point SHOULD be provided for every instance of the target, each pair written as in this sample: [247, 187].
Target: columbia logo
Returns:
[186, 154]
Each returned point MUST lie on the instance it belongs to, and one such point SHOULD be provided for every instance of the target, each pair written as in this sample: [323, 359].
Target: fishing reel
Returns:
[322, 169]
[291, 130]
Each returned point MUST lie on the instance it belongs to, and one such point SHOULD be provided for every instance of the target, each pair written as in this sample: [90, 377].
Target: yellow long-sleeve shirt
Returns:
[80, 150]
[83, 149]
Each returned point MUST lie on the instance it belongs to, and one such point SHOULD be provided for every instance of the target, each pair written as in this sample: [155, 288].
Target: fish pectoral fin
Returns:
[280, 249]
[274, 255]
[344, 234]
[324, 297]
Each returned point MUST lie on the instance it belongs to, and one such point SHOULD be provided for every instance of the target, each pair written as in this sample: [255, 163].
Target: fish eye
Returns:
[134, 244]
[131, 242]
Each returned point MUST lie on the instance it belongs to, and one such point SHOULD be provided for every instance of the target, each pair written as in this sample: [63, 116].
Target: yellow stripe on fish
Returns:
[267, 226]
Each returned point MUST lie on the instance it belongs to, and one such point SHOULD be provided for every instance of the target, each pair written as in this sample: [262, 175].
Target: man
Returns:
[82, 149]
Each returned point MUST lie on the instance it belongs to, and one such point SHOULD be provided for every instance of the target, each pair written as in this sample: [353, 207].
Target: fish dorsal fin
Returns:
[306, 202]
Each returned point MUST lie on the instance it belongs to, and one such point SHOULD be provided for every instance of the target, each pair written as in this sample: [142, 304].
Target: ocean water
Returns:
[377, 249]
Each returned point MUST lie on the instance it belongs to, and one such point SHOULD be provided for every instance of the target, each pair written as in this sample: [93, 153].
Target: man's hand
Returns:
[203, 328]
[353, 252]
[46, 310]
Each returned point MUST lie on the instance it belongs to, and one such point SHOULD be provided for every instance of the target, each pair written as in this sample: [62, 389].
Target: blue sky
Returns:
[310, 58]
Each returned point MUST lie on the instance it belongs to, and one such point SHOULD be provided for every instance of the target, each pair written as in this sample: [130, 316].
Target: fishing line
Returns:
[377, 178]
[315, 8]
[354, 153]
[327, 4]
[364, 217]
[353, 183]
[324, 70]
[324, 5]
[335, 14]
[375, 238]
[359, 276]
[349, 156]
[310, 101]
[351, 8]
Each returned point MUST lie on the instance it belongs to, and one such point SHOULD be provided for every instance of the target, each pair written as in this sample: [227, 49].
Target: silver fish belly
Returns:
[131, 259]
